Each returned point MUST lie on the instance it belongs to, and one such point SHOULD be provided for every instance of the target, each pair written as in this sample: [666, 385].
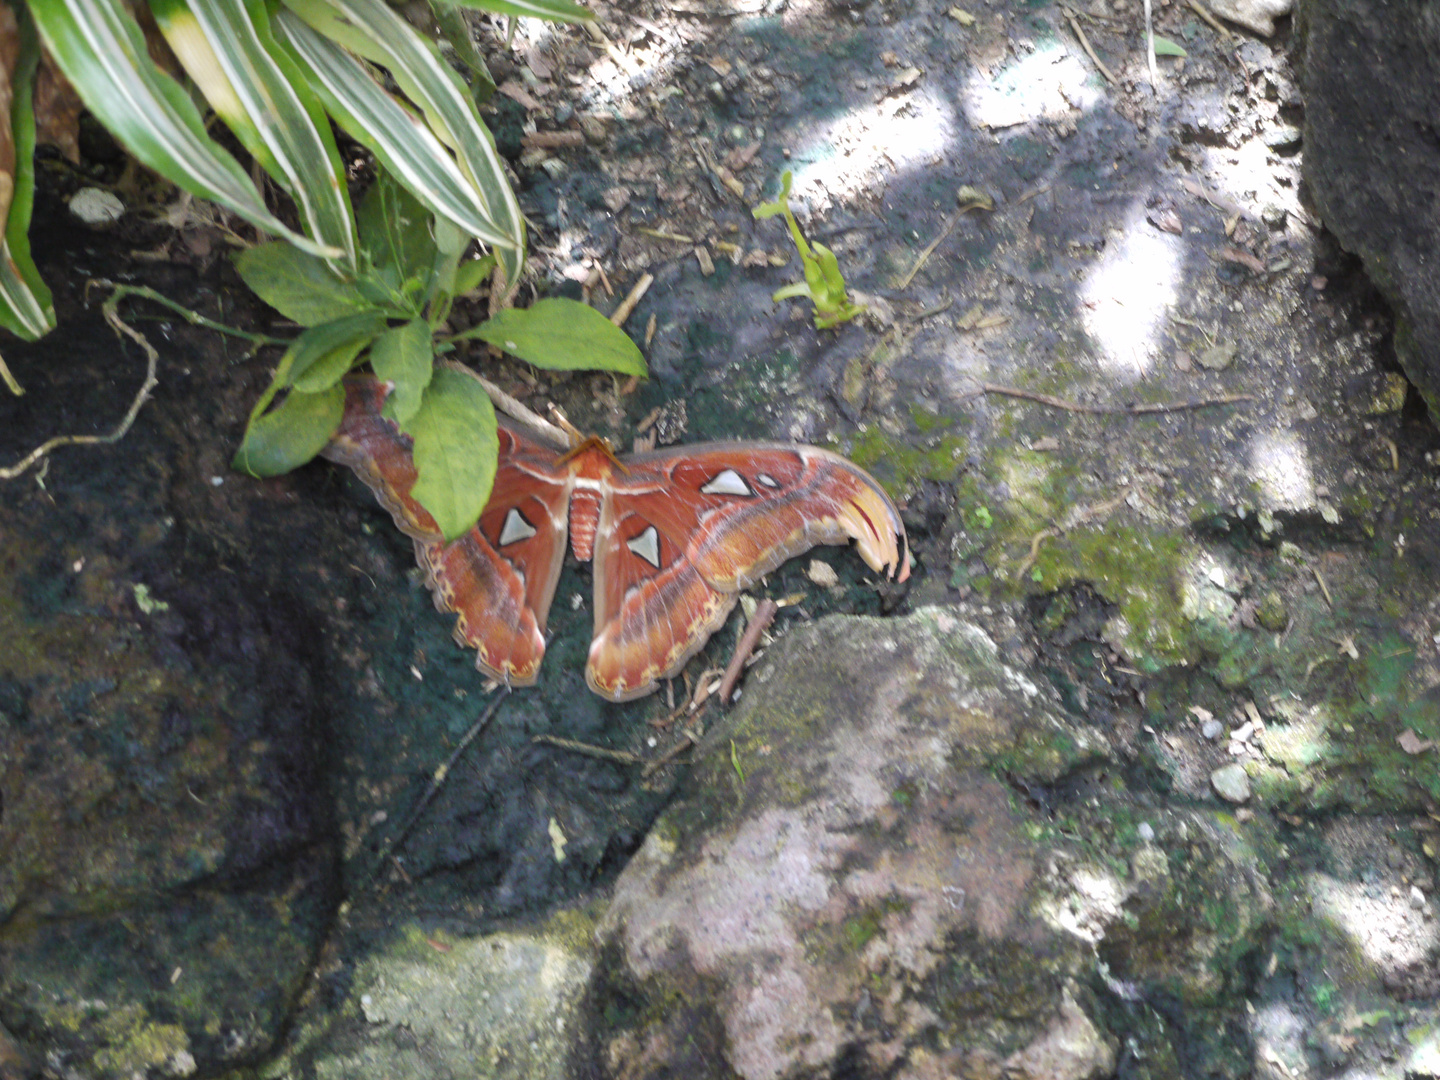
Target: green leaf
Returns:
[395, 229]
[321, 356]
[451, 22]
[298, 285]
[455, 450]
[99, 47]
[26, 309]
[781, 205]
[469, 275]
[561, 335]
[372, 30]
[552, 10]
[263, 97]
[291, 434]
[404, 355]
[1166, 47]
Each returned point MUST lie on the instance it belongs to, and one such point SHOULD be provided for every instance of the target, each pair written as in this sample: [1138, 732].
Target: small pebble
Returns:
[1243, 732]
[1417, 898]
[1147, 834]
[96, 206]
[1211, 729]
[1231, 783]
[563, 112]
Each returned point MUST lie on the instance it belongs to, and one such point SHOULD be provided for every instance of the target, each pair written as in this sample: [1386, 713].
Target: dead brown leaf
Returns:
[741, 156]
[1233, 254]
[517, 93]
[9, 58]
[1166, 221]
[57, 109]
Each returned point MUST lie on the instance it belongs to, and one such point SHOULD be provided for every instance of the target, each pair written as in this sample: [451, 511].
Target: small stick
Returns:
[692, 738]
[589, 750]
[438, 780]
[1113, 410]
[1150, 43]
[930, 312]
[1321, 582]
[553, 140]
[627, 305]
[660, 234]
[759, 622]
[512, 407]
[1215, 24]
[930, 250]
[142, 396]
[1085, 44]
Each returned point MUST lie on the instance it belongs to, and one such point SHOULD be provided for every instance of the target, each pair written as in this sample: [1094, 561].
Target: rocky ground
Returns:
[1139, 777]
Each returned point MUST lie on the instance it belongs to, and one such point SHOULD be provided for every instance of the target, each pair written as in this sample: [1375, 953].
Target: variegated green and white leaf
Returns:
[402, 143]
[450, 21]
[552, 10]
[99, 47]
[372, 30]
[227, 49]
[25, 306]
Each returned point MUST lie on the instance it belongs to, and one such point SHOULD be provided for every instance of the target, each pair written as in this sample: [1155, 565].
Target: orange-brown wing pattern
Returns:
[682, 531]
[499, 577]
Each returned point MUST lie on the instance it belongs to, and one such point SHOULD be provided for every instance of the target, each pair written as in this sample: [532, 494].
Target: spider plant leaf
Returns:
[451, 22]
[99, 47]
[25, 305]
[227, 48]
[551, 10]
[372, 30]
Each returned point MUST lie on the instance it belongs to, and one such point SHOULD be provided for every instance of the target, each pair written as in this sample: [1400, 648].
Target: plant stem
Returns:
[119, 292]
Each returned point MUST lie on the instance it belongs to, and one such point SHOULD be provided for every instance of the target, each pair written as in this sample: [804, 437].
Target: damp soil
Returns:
[1273, 556]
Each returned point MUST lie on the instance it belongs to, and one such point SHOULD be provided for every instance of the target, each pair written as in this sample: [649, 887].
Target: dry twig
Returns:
[553, 140]
[511, 406]
[438, 781]
[1215, 24]
[929, 250]
[1085, 44]
[759, 623]
[1079, 517]
[627, 305]
[589, 749]
[1110, 410]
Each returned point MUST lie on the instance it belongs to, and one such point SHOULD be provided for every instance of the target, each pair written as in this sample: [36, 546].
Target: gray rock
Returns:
[1370, 75]
[1231, 783]
[1072, 1049]
[868, 870]
[1256, 15]
[503, 1005]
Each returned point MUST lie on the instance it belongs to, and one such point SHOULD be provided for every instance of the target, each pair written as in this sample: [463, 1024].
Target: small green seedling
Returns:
[823, 284]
